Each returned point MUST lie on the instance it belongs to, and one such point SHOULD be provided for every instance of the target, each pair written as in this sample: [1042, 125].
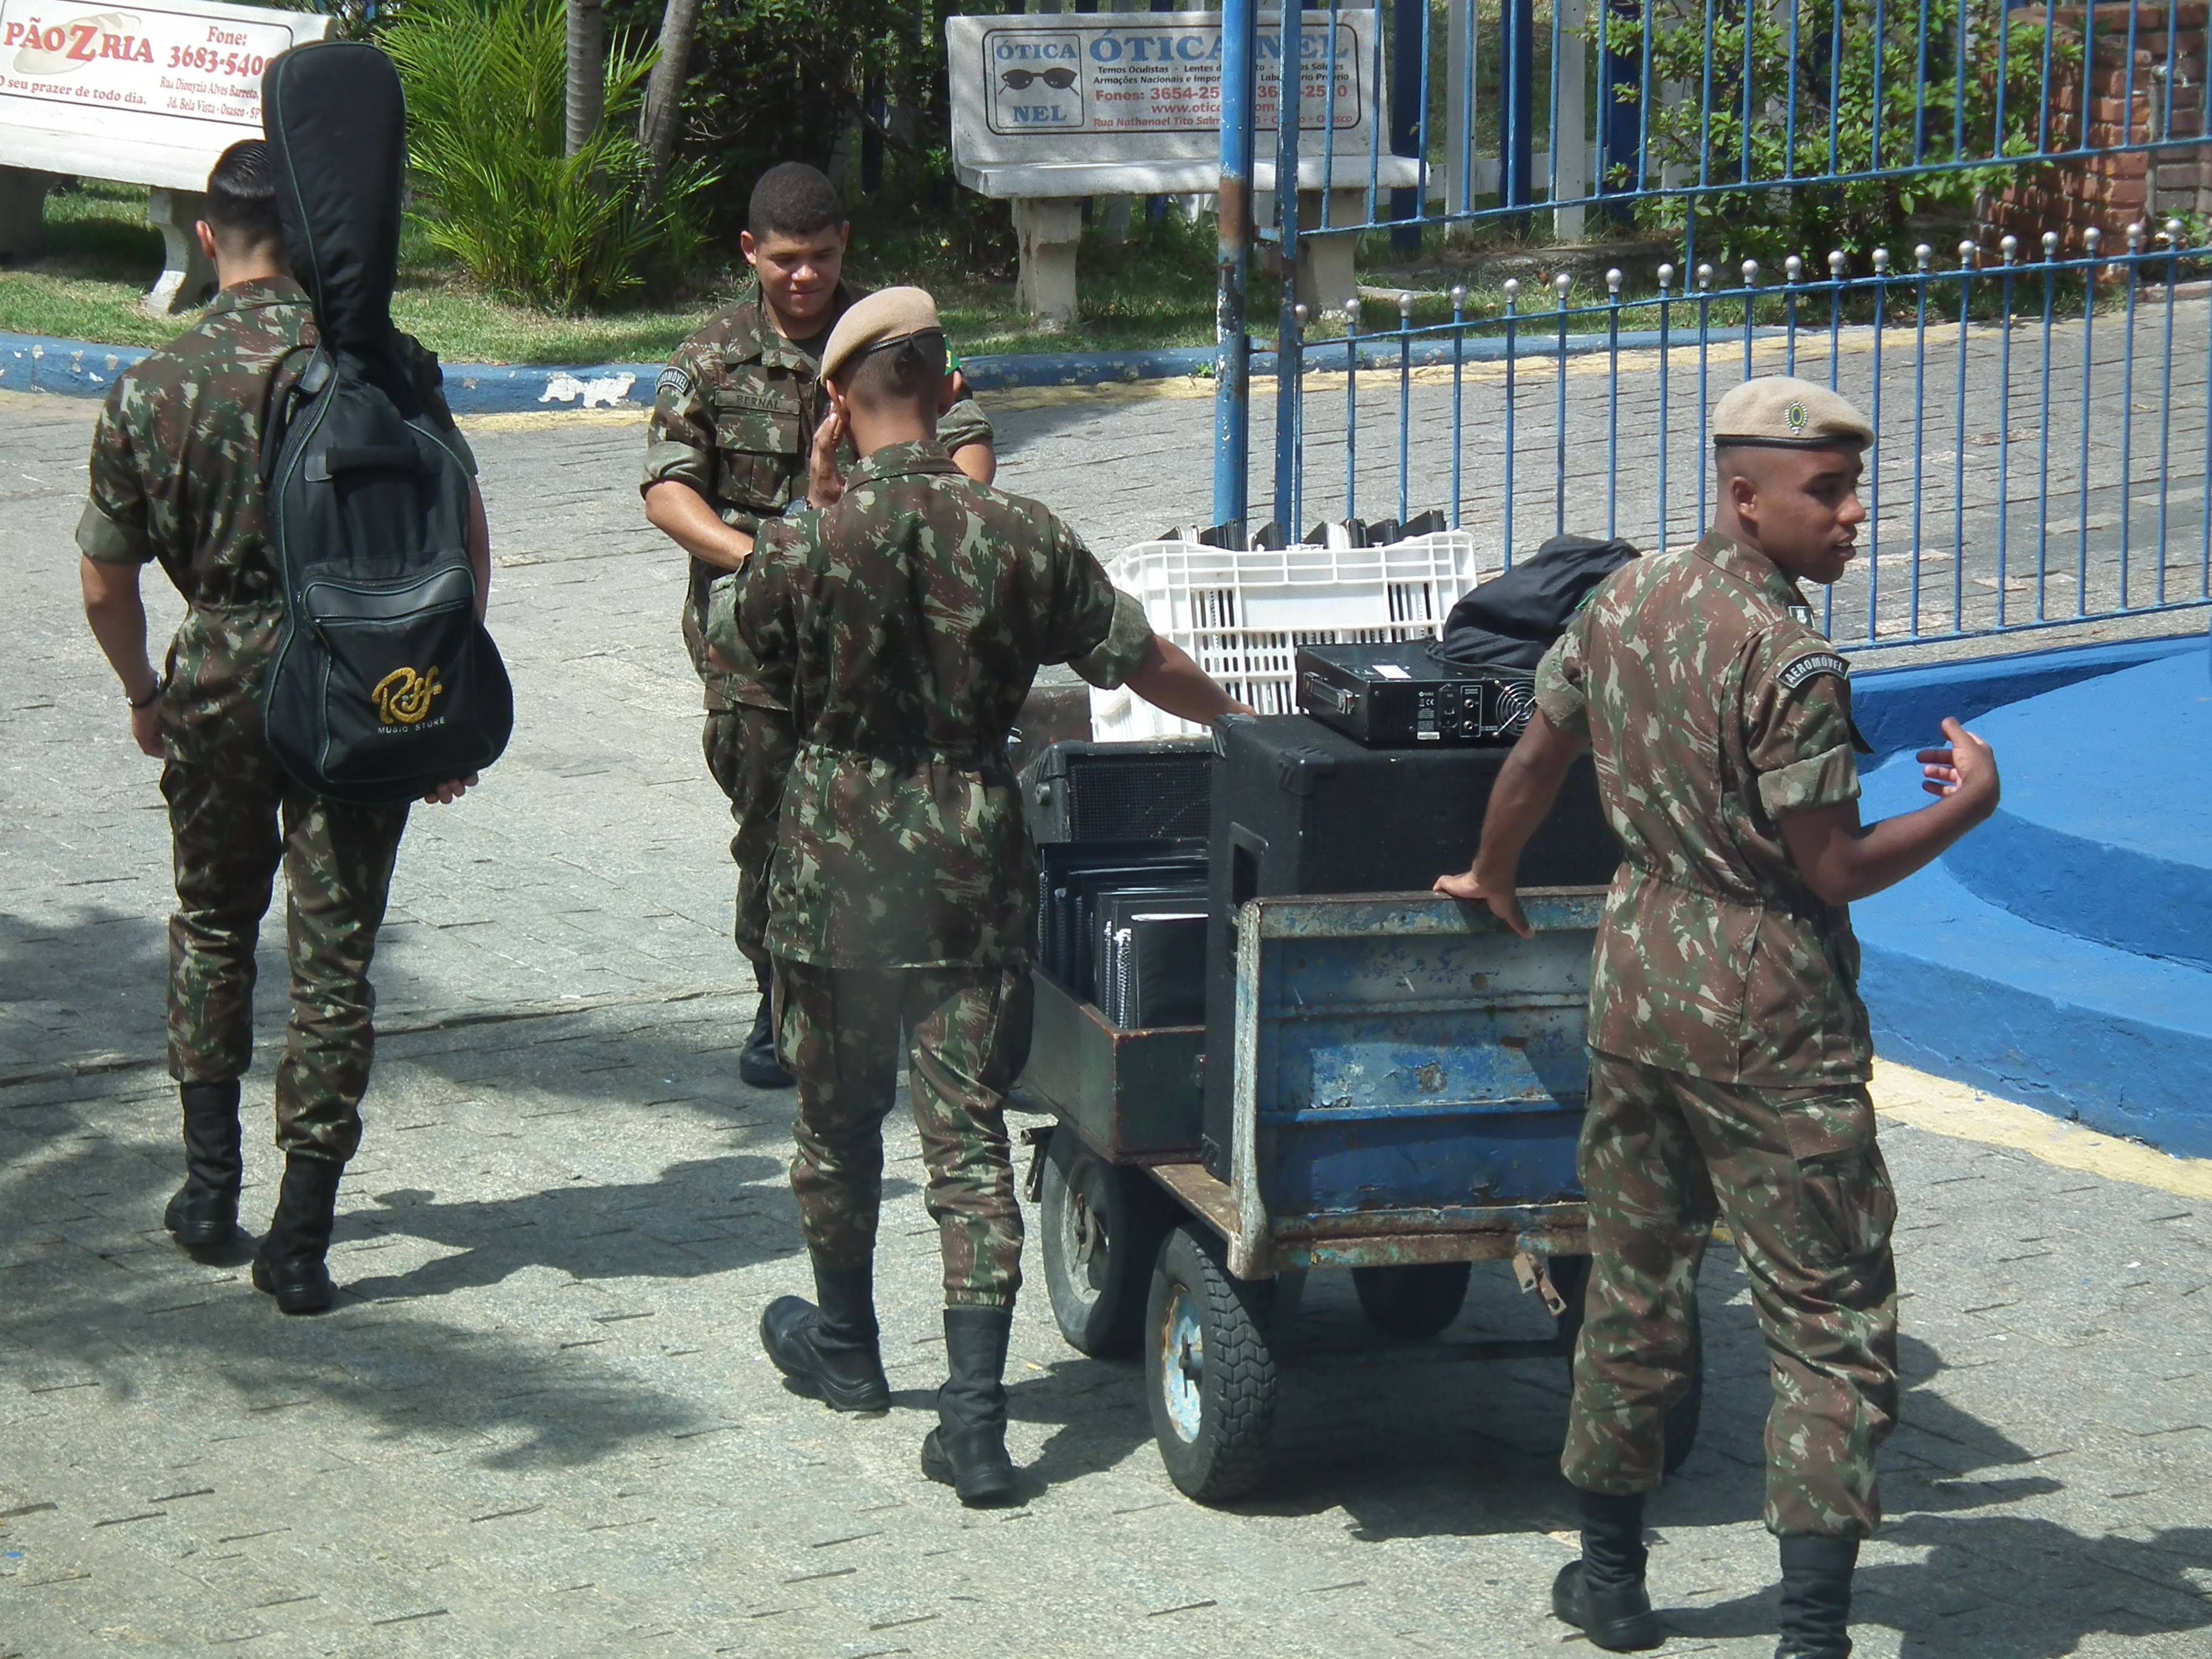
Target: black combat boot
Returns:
[1602, 1594]
[758, 1065]
[288, 1265]
[204, 1212]
[1816, 1597]
[967, 1449]
[830, 1351]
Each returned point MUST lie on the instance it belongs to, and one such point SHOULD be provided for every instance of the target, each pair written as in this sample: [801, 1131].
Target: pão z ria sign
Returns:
[150, 94]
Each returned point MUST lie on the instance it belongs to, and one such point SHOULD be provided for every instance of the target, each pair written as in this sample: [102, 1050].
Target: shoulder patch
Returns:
[1806, 668]
[674, 383]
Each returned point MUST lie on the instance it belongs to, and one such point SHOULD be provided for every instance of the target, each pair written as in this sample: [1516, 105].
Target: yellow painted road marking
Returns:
[1964, 1113]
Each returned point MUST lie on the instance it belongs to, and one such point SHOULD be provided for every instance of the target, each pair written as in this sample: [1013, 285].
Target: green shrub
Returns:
[1916, 45]
[485, 82]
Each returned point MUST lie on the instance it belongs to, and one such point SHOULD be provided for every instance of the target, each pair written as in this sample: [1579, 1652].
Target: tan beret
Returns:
[883, 318]
[1779, 412]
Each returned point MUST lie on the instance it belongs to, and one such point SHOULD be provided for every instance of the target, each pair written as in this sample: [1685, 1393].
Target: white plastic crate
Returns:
[1243, 616]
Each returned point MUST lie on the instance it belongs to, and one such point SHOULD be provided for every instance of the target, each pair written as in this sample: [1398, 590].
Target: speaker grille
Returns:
[1139, 797]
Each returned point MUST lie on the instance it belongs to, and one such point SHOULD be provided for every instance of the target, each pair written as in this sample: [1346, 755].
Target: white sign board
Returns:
[1087, 89]
[146, 94]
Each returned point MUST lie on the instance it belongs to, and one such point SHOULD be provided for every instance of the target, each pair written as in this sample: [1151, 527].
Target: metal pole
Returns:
[1517, 132]
[1232, 395]
[1409, 92]
[1288, 365]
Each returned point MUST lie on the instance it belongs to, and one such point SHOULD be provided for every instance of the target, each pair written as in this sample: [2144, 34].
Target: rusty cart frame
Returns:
[1409, 1087]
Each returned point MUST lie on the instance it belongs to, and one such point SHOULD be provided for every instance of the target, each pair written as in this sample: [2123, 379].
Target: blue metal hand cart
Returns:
[1410, 1080]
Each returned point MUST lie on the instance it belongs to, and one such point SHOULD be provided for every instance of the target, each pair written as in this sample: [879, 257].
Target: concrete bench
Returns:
[1050, 109]
[140, 98]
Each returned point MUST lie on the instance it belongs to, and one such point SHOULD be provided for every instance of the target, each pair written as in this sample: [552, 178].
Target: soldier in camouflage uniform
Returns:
[1729, 1054]
[176, 476]
[734, 416]
[904, 624]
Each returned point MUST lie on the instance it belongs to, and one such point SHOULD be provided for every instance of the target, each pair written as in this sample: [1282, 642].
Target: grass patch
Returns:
[1155, 290]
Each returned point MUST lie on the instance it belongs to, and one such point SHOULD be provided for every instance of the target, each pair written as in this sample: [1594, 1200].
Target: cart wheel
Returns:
[1571, 1277]
[1411, 1301]
[1102, 1229]
[1207, 1369]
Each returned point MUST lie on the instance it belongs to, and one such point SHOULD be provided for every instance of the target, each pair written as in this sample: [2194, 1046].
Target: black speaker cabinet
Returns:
[1122, 791]
[1300, 808]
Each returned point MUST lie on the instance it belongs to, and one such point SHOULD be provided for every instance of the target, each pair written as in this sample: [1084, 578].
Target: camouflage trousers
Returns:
[749, 751]
[1798, 1178]
[234, 817]
[838, 1031]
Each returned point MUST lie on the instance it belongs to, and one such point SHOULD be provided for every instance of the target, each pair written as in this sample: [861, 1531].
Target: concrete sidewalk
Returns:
[539, 1422]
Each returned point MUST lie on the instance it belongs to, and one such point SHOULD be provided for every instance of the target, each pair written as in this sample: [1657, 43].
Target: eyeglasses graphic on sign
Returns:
[1018, 80]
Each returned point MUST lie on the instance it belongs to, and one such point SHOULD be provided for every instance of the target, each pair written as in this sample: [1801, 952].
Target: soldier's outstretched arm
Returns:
[1526, 786]
[1842, 859]
[681, 514]
[1168, 679]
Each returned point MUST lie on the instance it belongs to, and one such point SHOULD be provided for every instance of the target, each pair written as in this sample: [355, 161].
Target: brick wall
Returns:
[2111, 192]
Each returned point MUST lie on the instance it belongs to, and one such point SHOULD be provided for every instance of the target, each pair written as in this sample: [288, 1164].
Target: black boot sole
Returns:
[987, 1488]
[204, 1234]
[1632, 1634]
[295, 1296]
[870, 1399]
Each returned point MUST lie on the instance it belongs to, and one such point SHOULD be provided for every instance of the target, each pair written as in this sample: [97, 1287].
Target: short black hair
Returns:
[794, 199]
[911, 370]
[241, 197]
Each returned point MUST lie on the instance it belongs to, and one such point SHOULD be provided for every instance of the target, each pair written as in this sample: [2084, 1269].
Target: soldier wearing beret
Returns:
[1729, 1049]
[726, 451]
[902, 623]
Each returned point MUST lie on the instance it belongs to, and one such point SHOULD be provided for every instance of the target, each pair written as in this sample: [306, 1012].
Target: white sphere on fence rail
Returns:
[1966, 251]
[1613, 280]
[2009, 249]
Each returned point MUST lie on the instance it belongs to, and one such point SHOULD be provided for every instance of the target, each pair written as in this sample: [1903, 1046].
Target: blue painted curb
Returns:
[1901, 708]
[35, 362]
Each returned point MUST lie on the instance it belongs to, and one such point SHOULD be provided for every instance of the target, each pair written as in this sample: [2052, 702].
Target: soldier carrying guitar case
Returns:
[386, 683]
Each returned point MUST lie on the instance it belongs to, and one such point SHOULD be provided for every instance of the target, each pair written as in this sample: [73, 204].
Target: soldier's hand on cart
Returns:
[824, 482]
[1504, 901]
[1966, 766]
[446, 793]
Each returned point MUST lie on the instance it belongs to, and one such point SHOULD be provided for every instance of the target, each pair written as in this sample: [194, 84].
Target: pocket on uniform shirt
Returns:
[760, 451]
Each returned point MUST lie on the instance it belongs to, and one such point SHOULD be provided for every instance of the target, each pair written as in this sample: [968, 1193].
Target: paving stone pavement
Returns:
[539, 1422]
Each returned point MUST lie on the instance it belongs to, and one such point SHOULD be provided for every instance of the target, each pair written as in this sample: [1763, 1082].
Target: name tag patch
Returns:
[1819, 662]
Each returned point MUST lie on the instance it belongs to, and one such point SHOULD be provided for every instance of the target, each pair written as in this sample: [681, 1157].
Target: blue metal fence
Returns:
[2032, 404]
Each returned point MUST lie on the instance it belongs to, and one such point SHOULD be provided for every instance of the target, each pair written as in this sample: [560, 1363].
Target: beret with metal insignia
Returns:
[1778, 411]
[884, 318]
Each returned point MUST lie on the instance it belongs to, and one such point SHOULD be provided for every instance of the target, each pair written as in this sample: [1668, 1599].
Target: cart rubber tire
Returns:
[1208, 1372]
[1413, 1302]
[1102, 1227]
[1570, 1278]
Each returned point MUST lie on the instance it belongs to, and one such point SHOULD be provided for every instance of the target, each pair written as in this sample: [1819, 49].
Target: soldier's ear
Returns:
[205, 237]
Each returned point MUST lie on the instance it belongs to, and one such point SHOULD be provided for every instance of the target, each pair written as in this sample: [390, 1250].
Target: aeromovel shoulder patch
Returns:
[1796, 673]
[674, 383]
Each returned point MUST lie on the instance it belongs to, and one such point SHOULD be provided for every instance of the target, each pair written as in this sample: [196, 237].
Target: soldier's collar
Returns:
[756, 341]
[259, 291]
[901, 461]
[1754, 570]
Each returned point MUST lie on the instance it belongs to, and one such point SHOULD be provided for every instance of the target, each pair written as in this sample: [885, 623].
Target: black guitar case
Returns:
[385, 684]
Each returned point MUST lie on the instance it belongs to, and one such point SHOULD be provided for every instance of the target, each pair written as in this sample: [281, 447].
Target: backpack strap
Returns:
[286, 391]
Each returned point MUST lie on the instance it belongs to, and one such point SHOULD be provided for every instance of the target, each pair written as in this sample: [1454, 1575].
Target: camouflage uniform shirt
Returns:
[1713, 708]
[733, 416]
[906, 623]
[176, 455]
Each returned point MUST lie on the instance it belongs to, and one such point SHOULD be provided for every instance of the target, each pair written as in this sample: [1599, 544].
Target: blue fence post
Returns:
[1289, 358]
[1409, 88]
[2008, 250]
[1232, 392]
[1620, 118]
[1517, 128]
